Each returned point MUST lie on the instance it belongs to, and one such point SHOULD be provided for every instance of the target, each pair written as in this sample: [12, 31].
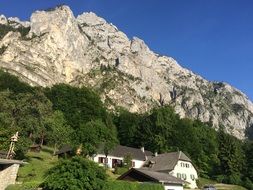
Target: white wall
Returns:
[188, 171]
[173, 187]
[8, 175]
[138, 163]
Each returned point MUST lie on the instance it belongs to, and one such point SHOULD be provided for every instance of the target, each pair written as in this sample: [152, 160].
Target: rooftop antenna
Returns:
[14, 139]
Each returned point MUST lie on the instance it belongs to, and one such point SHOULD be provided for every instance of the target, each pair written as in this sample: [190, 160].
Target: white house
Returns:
[176, 164]
[116, 156]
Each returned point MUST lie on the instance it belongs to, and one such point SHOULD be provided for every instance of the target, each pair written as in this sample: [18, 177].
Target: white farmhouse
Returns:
[176, 164]
[116, 156]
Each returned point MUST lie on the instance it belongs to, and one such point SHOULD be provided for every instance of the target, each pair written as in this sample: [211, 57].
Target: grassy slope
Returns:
[39, 163]
[33, 173]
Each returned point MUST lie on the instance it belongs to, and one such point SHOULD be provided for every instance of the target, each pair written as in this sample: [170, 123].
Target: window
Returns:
[178, 175]
[192, 177]
[133, 164]
[101, 160]
[184, 177]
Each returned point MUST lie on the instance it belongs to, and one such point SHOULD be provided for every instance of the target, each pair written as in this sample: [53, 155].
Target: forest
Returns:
[64, 114]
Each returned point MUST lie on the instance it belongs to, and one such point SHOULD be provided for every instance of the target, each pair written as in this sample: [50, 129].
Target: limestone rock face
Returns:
[16, 23]
[87, 50]
[3, 19]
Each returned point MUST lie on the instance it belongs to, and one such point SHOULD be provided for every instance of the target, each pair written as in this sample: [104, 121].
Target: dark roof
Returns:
[7, 161]
[154, 176]
[148, 153]
[167, 161]
[64, 149]
[3, 154]
[121, 151]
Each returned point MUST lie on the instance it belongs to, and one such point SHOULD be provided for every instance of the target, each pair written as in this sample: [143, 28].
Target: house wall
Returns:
[138, 163]
[173, 187]
[8, 175]
[188, 171]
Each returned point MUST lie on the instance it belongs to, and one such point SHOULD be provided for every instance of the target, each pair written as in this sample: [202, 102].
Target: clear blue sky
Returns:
[213, 38]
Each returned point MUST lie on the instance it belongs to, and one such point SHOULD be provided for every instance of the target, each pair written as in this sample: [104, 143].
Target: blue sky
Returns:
[213, 38]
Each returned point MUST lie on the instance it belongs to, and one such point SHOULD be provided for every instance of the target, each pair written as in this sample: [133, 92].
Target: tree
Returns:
[230, 156]
[13, 84]
[127, 125]
[31, 112]
[158, 128]
[79, 105]
[248, 149]
[74, 174]
[58, 131]
[93, 134]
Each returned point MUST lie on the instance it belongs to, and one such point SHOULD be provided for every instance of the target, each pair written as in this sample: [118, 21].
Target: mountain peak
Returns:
[45, 21]
[88, 51]
[90, 19]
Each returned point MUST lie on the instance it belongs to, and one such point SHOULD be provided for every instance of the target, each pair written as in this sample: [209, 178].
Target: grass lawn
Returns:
[39, 163]
[32, 174]
[220, 186]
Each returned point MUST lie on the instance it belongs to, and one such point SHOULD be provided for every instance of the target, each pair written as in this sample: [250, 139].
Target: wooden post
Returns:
[14, 139]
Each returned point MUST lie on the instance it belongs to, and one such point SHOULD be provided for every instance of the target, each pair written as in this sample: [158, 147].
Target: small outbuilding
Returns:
[65, 151]
[8, 172]
[35, 148]
[144, 175]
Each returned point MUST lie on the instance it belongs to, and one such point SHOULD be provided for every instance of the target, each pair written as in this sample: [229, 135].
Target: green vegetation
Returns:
[122, 185]
[76, 173]
[64, 114]
[31, 175]
[217, 155]
[2, 49]
[4, 29]
[219, 186]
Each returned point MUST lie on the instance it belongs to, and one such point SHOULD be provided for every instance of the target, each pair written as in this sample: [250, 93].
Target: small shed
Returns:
[143, 175]
[8, 172]
[35, 148]
[65, 151]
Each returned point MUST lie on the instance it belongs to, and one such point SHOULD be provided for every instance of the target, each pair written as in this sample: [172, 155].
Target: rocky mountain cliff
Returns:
[55, 47]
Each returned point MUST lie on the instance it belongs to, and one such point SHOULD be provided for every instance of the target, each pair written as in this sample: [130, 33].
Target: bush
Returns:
[220, 178]
[234, 179]
[77, 173]
[123, 185]
[248, 184]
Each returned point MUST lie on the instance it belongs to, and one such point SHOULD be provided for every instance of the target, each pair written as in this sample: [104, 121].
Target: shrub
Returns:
[2, 49]
[248, 184]
[234, 179]
[123, 185]
[77, 173]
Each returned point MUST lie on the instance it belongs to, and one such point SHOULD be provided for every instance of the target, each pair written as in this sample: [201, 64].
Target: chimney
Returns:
[156, 154]
[143, 149]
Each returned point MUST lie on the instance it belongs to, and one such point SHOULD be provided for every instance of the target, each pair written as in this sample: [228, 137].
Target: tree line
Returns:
[68, 115]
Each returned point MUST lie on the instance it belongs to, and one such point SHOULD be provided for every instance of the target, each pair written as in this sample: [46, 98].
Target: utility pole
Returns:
[14, 139]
